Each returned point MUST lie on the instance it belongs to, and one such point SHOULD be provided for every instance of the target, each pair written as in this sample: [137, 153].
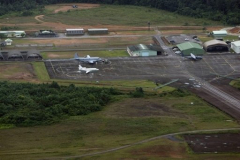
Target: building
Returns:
[215, 46]
[13, 33]
[75, 32]
[8, 42]
[96, 31]
[144, 50]
[189, 47]
[236, 46]
[219, 34]
[45, 33]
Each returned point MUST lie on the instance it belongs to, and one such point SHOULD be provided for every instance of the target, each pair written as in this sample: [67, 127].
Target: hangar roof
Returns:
[223, 32]
[236, 43]
[145, 47]
[214, 42]
[188, 45]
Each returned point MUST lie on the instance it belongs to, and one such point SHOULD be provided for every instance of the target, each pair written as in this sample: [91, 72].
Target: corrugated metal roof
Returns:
[214, 42]
[236, 43]
[219, 32]
[145, 47]
[188, 45]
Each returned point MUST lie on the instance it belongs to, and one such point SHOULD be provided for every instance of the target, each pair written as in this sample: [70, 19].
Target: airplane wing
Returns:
[91, 61]
[87, 71]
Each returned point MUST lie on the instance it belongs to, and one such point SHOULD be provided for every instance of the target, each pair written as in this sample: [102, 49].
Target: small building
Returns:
[15, 55]
[45, 33]
[1, 56]
[72, 32]
[13, 33]
[219, 34]
[189, 47]
[215, 46]
[96, 31]
[8, 42]
[144, 50]
[236, 46]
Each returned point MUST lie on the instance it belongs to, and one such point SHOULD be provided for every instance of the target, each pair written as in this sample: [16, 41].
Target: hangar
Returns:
[15, 55]
[96, 31]
[219, 34]
[215, 46]
[189, 47]
[33, 55]
[144, 50]
[236, 46]
[1, 56]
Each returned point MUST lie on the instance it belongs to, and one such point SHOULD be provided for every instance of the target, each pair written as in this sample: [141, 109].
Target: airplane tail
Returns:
[76, 55]
[80, 67]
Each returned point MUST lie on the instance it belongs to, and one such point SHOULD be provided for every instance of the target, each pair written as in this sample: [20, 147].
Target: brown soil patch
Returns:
[38, 18]
[214, 28]
[234, 30]
[18, 72]
[66, 7]
[69, 41]
[162, 151]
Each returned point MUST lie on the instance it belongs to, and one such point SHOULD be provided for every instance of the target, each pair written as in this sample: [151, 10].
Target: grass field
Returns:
[109, 15]
[124, 122]
[123, 15]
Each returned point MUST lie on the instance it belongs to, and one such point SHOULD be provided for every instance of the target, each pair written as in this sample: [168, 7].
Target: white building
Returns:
[236, 46]
[79, 31]
[219, 34]
[13, 33]
[8, 42]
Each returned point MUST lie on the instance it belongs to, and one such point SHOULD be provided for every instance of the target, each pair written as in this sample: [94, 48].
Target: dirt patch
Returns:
[161, 151]
[66, 7]
[18, 72]
[234, 30]
[141, 108]
[216, 28]
[39, 17]
[214, 143]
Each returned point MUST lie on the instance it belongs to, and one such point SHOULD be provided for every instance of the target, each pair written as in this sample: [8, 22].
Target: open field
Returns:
[55, 17]
[121, 123]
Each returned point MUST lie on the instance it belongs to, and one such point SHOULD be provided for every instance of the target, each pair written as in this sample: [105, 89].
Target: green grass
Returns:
[132, 15]
[70, 54]
[120, 123]
[41, 71]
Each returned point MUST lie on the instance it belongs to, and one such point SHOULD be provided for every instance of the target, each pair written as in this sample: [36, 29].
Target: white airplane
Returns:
[193, 57]
[87, 59]
[87, 70]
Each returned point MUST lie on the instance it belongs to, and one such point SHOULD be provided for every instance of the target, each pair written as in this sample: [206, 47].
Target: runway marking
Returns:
[53, 67]
[228, 64]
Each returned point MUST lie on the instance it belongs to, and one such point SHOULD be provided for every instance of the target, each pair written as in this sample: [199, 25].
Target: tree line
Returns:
[227, 11]
[25, 104]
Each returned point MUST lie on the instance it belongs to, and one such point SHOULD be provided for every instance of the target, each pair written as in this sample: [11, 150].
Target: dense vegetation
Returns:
[227, 11]
[25, 104]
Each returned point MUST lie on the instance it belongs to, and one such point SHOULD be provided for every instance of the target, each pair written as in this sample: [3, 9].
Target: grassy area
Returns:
[70, 54]
[41, 71]
[132, 15]
[124, 122]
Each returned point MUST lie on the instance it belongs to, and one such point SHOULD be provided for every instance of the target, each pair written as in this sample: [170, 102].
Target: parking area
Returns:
[150, 68]
[177, 39]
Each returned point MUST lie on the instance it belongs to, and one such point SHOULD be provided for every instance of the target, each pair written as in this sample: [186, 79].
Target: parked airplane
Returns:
[87, 59]
[87, 70]
[193, 57]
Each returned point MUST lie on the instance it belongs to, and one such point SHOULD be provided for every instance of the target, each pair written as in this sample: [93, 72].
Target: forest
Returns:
[226, 11]
[27, 104]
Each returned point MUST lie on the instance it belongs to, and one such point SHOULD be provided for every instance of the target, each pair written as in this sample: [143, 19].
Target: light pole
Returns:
[149, 26]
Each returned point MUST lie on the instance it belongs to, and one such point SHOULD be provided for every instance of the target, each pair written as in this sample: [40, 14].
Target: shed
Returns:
[33, 55]
[144, 50]
[236, 46]
[189, 47]
[219, 34]
[78, 31]
[8, 42]
[1, 56]
[98, 31]
[215, 46]
[15, 55]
